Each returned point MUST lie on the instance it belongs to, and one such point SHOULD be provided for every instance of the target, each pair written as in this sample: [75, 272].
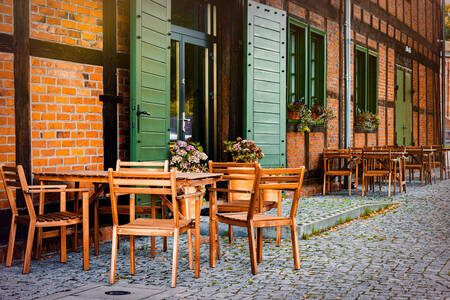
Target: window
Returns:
[366, 81]
[297, 62]
[317, 87]
[306, 64]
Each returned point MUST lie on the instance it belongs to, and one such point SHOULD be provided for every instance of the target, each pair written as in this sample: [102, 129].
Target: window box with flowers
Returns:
[366, 122]
[320, 116]
[188, 157]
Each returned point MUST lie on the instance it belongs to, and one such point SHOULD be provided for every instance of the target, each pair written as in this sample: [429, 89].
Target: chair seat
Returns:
[257, 218]
[58, 219]
[376, 173]
[240, 205]
[150, 227]
[342, 172]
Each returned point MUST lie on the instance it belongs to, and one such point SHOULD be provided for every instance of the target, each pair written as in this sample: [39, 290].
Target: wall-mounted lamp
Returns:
[408, 49]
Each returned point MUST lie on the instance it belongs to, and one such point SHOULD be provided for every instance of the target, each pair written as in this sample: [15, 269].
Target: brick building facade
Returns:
[58, 57]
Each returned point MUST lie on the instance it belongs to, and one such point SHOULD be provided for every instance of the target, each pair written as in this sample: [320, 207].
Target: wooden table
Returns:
[100, 180]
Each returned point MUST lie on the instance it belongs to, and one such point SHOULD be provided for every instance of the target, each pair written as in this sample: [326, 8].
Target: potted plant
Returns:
[243, 150]
[366, 122]
[293, 112]
[305, 118]
[188, 157]
[320, 116]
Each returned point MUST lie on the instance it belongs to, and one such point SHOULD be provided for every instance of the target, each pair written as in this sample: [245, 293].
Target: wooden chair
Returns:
[376, 165]
[439, 161]
[162, 184]
[333, 166]
[414, 162]
[14, 180]
[124, 209]
[289, 179]
[239, 184]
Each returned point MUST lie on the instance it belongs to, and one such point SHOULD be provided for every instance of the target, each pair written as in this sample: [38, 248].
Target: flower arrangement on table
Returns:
[367, 121]
[243, 150]
[188, 157]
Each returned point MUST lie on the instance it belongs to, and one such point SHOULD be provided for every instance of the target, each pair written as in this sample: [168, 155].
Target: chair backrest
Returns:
[372, 157]
[14, 179]
[150, 183]
[333, 156]
[142, 166]
[241, 176]
[283, 179]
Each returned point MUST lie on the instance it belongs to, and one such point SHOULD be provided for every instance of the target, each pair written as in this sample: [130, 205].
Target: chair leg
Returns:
[350, 185]
[218, 241]
[176, 238]
[197, 249]
[163, 216]
[29, 247]
[112, 276]
[132, 256]
[11, 241]
[251, 244]
[389, 185]
[295, 251]
[63, 239]
[96, 229]
[153, 244]
[191, 255]
[37, 251]
[278, 243]
[324, 184]
[212, 243]
[259, 244]
[230, 234]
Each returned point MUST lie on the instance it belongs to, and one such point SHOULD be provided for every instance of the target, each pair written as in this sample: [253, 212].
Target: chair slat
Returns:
[131, 190]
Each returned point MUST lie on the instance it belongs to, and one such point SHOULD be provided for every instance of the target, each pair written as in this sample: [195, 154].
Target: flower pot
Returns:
[291, 126]
[365, 130]
[187, 205]
[293, 115]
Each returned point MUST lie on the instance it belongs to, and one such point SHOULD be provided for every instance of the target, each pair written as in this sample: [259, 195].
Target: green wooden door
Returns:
[403, 107]
[150, 79]
[265, 95]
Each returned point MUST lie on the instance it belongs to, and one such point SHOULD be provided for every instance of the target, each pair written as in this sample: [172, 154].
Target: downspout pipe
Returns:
[348, 76]
[443, 82]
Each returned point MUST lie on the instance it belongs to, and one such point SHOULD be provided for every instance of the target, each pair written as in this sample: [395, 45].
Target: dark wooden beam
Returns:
[22, 103]
[123, 60]
[51, 50]
[320, 7]
[367, 30]
[382, 14]
[6, 43]
[109, 84]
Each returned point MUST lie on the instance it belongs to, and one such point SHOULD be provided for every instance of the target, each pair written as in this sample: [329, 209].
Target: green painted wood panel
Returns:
[265, 86]
[150, 79]
[408, 109]
[399, 107]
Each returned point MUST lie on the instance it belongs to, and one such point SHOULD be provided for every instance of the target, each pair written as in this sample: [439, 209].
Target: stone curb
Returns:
[316, 225]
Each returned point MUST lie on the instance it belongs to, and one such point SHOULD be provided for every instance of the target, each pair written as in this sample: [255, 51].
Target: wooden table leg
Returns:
[85, 209]
[197, 235]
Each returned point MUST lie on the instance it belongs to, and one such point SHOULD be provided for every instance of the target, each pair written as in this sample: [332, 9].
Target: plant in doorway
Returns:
[243, 150]
[188, 157]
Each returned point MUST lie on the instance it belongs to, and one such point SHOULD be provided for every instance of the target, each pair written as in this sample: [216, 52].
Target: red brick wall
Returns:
[295, 149]
[66, 116]
[72, 22]
[123, 25]
[7, 129]
[382, 75]
[6, 16]
[333, 82]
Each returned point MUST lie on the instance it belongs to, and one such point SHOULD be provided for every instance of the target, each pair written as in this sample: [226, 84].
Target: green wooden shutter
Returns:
[408, 109]
[150, 79]
[399, 108]
[265, 95]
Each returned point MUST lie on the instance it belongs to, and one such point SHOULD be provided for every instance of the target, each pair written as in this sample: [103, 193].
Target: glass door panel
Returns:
[194, 102]
[174, 88]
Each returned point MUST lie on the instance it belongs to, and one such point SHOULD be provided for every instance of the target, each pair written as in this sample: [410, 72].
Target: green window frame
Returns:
[366, 80]
[317, 67]
[297, 62]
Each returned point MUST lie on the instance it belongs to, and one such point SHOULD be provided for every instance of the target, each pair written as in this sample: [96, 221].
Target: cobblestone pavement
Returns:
[401, 254]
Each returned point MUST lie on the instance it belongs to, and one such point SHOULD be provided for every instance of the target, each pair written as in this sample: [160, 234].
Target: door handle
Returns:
[140, 112]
